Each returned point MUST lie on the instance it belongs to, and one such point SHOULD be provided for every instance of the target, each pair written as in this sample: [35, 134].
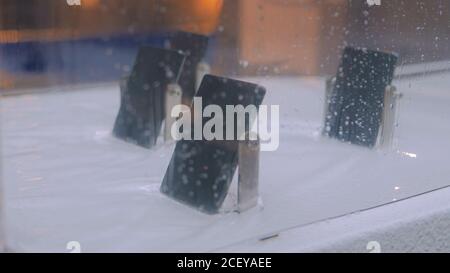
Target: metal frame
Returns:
[391, 101]
[329, 83]
[203, 68]
[173, 98]
[248, 176]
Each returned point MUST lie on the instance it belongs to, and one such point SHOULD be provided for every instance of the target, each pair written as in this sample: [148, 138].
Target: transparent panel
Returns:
[86, 87]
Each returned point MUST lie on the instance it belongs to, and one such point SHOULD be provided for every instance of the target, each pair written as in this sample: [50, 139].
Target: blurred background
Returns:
[50, 42]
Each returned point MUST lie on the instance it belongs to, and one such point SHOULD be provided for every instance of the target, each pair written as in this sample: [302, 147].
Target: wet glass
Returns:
[68, 178]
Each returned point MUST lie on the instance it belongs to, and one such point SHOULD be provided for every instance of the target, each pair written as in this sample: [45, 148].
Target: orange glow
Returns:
[203, 15]
[9, 36]
[209, 8]
[89, 4]
[26, 35]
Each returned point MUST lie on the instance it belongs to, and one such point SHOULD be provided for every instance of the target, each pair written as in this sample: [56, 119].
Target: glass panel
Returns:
[67, 68]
